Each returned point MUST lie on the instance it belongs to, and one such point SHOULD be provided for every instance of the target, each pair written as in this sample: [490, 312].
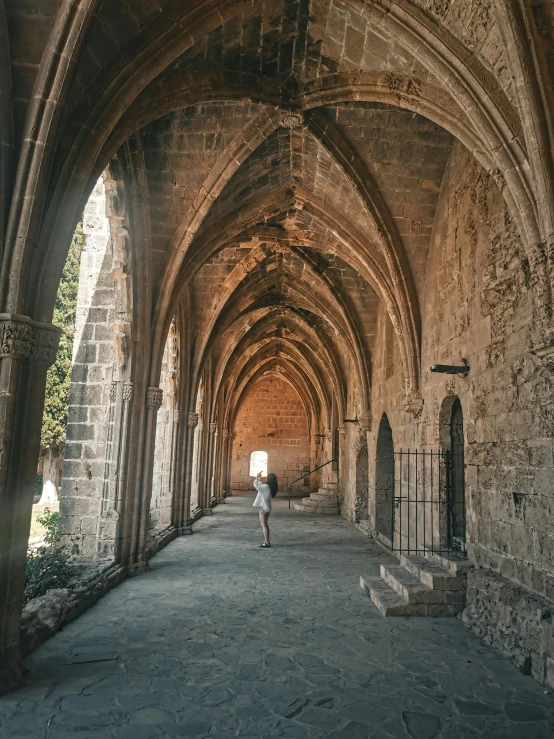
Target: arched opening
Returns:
[452, 521]
[258, 463]
[99, 393]
[457, 516]
[384, 481]
[163, 472]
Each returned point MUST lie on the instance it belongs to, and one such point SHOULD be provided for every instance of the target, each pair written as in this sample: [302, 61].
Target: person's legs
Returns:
[265, 528]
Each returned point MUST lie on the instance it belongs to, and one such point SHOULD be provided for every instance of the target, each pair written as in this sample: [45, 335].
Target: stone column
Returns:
[209, 483]
[226, 461]
[192, 423]
[218, 460]
[27, 349]
[154, 396]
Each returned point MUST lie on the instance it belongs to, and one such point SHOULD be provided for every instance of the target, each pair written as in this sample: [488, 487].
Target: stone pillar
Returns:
[154, 397]
[226, 461]
[192, 423]
[27, 349]
[209, 498]
[217, 491]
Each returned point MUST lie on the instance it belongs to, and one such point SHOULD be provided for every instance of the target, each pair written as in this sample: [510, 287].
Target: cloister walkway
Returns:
[224, 639]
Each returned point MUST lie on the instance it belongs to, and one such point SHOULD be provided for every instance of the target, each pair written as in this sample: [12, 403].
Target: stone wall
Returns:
[271, 418]
[478, 306]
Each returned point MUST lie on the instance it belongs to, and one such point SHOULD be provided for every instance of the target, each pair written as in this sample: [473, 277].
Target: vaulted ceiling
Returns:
[286, 158]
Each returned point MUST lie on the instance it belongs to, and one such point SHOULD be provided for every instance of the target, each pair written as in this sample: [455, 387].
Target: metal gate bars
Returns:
[428, 504]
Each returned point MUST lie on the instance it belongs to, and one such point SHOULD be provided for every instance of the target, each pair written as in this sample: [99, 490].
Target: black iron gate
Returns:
[428, 511]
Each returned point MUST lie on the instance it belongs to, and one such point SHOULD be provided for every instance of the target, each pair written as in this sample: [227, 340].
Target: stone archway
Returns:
[451, 430]
[384, 481]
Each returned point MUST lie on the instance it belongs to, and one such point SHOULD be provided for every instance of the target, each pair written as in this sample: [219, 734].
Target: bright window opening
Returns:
[258, 463]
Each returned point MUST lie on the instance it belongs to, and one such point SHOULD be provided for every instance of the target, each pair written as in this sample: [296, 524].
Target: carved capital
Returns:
[192, 420]
[128, 392]
[225, 433]
[154, 396]
[366, 421]
[24, 339]
[177, 417]
[213, 428]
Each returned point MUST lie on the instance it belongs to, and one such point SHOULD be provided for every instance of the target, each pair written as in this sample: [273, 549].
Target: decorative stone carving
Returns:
[213, 428]
[177, 417]
[154, 396]
[128, 392]
[365, 421]
[122, 331]
[225, 433]
[361, 445]
[192, 420]
[113, 392]
[290, 118]
[413, 404]
[22, 338]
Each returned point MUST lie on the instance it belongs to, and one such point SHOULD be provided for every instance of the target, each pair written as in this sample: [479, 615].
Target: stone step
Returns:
[331, 498]
[408, 586]
[457, 566]
[386, 600]
[330, 486]
[321, 509]
[432, 574]
[389, 603]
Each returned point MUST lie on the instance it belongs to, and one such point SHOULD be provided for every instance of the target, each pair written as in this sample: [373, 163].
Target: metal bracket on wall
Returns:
[452, 369]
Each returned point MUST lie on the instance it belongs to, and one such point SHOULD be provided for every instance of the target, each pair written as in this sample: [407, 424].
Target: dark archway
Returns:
[457, 517]
[384, 480]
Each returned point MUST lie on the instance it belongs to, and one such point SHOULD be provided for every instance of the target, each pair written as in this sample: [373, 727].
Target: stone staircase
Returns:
[325, 501]
[419, 586]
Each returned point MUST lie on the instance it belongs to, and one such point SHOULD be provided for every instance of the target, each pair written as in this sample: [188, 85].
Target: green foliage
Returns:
[54, 420]
[48, 566]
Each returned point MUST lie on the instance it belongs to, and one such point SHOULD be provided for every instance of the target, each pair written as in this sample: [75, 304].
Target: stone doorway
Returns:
[457, 518]
[384, 481]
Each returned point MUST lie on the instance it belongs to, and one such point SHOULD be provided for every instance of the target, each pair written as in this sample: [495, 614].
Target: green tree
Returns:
[58, 380]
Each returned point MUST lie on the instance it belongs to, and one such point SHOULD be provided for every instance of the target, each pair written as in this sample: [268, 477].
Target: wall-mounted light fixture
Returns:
[452, 369]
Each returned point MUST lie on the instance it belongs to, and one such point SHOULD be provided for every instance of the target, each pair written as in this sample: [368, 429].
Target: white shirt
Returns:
[263, 498]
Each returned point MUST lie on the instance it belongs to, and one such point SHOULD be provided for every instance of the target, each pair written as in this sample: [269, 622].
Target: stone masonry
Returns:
[292, 211]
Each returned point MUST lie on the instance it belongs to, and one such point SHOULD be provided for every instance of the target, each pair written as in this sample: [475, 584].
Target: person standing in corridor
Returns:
[266, 491]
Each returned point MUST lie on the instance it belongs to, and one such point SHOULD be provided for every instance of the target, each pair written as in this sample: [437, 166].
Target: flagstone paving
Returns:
[223, 639]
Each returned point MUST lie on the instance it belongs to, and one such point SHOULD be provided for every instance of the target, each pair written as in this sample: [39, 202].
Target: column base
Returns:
[207, 512]
[137, 568]
[184, 531]
[12, 670]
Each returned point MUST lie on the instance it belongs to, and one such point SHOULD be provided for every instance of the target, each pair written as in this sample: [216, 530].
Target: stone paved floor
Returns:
[223, 639]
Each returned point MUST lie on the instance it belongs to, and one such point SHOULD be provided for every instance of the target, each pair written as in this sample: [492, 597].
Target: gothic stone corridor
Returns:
[312, 234]
[222, 639]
